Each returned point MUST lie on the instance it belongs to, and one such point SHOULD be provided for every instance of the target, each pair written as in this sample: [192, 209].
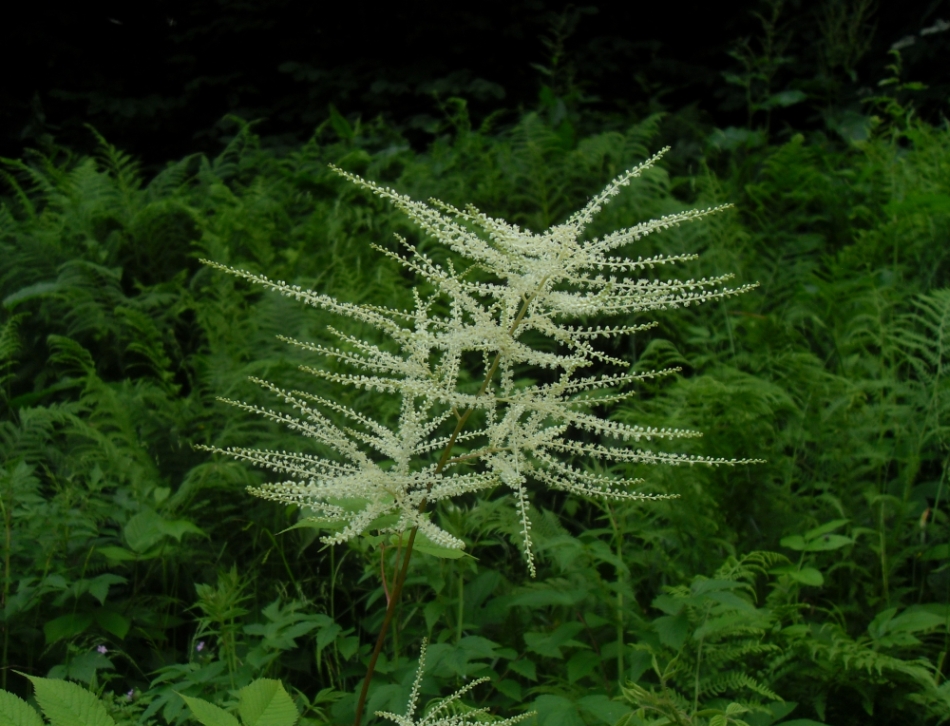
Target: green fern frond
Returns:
[122, 167]
[731, 653]
[734, 681]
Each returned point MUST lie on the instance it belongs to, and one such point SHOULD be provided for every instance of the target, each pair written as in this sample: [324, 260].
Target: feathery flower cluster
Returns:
[439, 714]
[516, 282]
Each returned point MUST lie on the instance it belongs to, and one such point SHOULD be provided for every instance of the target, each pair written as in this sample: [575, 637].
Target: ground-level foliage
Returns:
[815, 586]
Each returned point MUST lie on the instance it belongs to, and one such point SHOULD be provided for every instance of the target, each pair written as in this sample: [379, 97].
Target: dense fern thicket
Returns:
[814, 586]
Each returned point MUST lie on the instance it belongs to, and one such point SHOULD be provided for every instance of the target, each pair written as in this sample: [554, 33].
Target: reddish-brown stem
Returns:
[382, 571]
[390, 610]
[403, 571]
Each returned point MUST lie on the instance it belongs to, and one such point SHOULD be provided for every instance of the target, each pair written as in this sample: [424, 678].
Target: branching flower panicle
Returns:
[442, 713]
[523, 282]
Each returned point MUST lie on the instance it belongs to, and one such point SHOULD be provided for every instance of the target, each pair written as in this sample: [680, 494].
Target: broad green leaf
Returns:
[780, 710]
[785, 98]
[98, 587]
[731, 600]
[878, 626]
[669, 604]
[117, 554]
[581, 664]
[556, 711]
[427, 547]
[828, 542]
[525, 667]
[14, 711]
[113, 622]
[701, 587]
[510, 688]
[82, 667]
[793, 542]
[916, 620]
[207, 713]
[938, 552]
[265, 703]
[672, 629]
[825, 528]
[327, 634]
[549, 644]
[69, 704]
[148, 527]
[808, 576]
[66, 626]
[180, 527]
[603, 708]
[143, 530]
[538, 598]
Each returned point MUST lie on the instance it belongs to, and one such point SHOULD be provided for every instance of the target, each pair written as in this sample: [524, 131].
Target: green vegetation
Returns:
[814, 586]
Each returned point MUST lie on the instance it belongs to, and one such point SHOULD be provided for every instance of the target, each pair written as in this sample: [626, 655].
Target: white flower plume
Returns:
[512, 281]
[441, 714]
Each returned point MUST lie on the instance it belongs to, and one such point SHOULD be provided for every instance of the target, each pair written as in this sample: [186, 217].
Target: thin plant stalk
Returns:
[404, 570]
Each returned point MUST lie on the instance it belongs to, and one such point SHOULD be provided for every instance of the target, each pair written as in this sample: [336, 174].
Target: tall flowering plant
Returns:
[507, 289]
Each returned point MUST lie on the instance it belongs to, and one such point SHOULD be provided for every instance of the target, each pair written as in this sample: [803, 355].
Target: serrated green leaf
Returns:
[81, 667]
[556, 711]
[525, 667]
[265, 703]
[14, 711]
[99, 587]
[69, 704]
[180, 527]
[66, 626]
[148, 527]
[672, 629]
[510, 688]
[603, 708]
[549, 644]
[582, 663]
[113, 622]
[143, 530]
[207, 713]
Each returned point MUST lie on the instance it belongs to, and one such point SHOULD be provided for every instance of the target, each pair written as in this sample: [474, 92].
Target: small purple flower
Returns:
[201, 646]
[102, 649]
[130, 694]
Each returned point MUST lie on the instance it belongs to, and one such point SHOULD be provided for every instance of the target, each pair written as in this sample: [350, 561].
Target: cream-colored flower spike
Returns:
[441, 714]
[515, 281]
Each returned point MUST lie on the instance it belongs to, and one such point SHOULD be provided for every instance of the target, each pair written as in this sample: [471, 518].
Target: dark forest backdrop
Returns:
[157, 77]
